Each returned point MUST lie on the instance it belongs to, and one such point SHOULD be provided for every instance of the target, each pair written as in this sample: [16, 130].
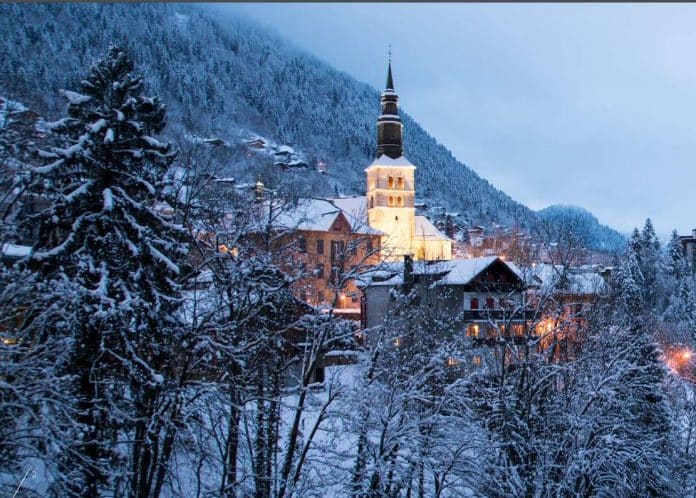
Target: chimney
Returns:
[693, 233]
[408, 273]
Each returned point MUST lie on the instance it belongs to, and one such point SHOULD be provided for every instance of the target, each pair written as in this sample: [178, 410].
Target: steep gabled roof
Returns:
[320, 214]
[455, 272]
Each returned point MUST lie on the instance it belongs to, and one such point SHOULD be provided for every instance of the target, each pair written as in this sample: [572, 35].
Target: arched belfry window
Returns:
[400, 183]
[390, 182]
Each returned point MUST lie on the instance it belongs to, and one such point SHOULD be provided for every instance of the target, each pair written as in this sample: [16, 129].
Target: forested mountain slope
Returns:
[587, 228]
[231, 79]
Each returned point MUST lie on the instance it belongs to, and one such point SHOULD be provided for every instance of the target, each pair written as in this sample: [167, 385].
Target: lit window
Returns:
[390, 202]
[476, 361]
[400, 183]
[472, 330]
[400, 201]
[518, 330]
[398, 342]
[390, 182]
[452, 361]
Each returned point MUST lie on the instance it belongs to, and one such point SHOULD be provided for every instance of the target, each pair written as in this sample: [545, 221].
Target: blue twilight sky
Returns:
[593, 105]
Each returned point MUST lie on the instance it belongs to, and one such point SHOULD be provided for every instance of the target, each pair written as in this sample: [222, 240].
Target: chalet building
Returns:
[563, 298]
[481, 297]
[487, 300]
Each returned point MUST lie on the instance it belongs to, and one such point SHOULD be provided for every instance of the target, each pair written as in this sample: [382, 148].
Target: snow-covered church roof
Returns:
[425, 230]
[386, 161]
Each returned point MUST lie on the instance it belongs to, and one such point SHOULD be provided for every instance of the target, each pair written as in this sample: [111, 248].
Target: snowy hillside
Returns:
[219, 77]
[232, 80]
[589, 230]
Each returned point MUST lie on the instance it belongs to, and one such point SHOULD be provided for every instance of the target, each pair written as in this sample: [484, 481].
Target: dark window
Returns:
[353, 247]
[302, 243]
[400, 182]
[490, 303]
[390, 182]
[320, 246]
[335, 275]
[320, 271]
[337, 248]
[474, 303]
[369, 246]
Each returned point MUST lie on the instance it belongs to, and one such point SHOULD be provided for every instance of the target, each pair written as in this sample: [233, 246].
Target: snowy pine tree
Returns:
[108, 259]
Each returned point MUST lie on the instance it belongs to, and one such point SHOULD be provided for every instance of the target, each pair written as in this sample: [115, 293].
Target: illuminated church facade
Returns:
[391, 190]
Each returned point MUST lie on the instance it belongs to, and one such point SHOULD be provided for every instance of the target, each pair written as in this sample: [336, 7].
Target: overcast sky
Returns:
[592, 105]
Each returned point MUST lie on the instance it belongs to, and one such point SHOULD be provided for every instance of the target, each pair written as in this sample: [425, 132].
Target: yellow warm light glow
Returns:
[397, 342]
[452, 361]
[687, 355]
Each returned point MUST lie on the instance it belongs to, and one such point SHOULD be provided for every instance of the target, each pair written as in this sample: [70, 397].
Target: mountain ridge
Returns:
[233, 80]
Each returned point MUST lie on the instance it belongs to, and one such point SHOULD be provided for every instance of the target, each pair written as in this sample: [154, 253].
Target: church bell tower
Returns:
[391, 181]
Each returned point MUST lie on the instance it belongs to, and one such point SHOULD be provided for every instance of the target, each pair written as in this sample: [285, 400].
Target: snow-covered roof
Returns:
[453, 272]
[386, 161]
[427, 231]
[355, 206]
[15, 251]
[320, 214]
[579, 281]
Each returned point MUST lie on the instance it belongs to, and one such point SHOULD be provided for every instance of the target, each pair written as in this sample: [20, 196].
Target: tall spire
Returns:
[389, 123]
[390, 80]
